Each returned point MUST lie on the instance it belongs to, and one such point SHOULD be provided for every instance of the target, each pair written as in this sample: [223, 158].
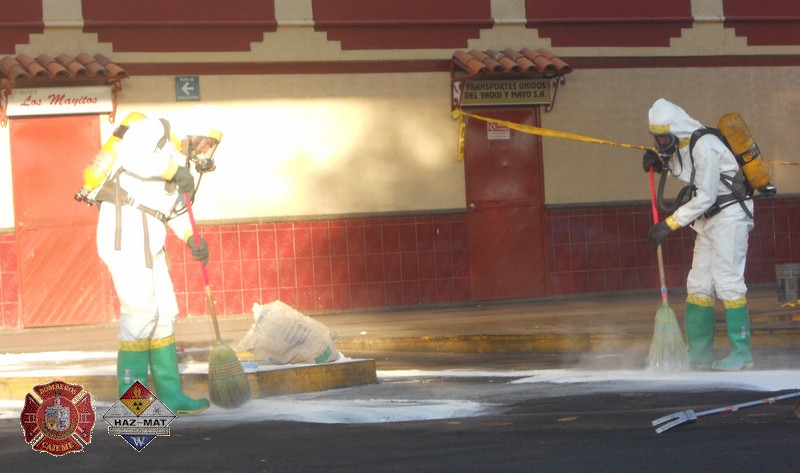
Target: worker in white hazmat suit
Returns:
[138, 204]
[720, 211]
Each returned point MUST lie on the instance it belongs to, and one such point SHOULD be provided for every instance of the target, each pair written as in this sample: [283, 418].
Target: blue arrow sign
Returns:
[187, 88]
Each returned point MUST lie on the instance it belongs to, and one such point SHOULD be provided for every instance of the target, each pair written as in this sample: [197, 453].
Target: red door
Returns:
[61, 279]
[505, 207]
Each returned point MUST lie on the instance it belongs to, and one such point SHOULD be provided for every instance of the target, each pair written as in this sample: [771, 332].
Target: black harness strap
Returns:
[111, 191]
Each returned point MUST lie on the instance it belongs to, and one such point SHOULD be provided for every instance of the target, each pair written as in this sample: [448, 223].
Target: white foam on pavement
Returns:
[756, 380]
[303, 408]
[340, 411]
[767, 380]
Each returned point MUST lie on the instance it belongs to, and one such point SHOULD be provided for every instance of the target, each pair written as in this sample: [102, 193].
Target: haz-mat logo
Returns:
[138, 417]
[62, 422]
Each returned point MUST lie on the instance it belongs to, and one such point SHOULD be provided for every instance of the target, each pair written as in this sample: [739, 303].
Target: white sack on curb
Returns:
[282, 335]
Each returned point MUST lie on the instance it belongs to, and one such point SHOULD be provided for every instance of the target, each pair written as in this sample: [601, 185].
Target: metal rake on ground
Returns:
[689, 416]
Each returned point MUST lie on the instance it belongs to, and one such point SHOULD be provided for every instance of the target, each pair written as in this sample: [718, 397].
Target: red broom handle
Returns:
[653, 194]
[196, 237]
[658, 250]
[194, 233]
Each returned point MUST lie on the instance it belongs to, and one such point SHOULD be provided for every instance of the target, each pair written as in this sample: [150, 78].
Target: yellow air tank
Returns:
[97, 171]
[747, 153]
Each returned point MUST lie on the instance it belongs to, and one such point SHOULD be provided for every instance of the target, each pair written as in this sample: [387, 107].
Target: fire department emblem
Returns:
[59, 419]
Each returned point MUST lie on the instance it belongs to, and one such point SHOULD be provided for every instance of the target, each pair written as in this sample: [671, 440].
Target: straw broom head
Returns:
[227, 384]
[667, 350]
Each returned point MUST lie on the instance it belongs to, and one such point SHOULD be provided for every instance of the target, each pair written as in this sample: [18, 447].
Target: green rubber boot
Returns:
[167, 379]
[700, 332]
[132, 359]
[738, 322]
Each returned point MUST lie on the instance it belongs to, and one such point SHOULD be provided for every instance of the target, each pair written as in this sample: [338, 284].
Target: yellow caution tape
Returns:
[534, 130]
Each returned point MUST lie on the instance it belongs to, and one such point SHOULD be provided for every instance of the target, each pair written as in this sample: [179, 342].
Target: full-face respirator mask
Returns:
[666, 143]
[200, 148]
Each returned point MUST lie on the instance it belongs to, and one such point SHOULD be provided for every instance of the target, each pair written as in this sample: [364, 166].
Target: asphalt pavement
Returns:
[588, 427]
[599, 426]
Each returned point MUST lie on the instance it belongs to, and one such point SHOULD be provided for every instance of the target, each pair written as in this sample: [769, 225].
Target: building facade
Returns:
[343, 181]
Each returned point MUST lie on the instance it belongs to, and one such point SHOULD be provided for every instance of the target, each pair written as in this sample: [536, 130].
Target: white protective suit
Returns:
[148, 307]
[721, 243]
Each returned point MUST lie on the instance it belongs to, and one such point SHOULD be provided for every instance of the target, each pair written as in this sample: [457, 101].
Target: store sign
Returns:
[481, 93]
[59, 101]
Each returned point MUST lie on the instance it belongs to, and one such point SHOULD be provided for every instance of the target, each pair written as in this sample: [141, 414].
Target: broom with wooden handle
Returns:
[227, 384]
[667, 348]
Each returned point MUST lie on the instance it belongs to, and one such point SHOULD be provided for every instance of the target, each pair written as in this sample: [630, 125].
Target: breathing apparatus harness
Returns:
[111, 191]
[740, 188]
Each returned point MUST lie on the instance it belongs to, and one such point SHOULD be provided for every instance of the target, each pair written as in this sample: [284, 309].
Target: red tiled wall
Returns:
[328, 265]
[405, 261]
[597, 250]
[606, 249]
[772, 241]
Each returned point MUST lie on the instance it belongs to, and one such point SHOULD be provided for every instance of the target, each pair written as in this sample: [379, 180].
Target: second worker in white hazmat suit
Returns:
[720, 211]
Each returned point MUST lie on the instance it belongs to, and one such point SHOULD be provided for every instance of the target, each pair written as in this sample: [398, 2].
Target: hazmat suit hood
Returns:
[668, 118]
[143, 136]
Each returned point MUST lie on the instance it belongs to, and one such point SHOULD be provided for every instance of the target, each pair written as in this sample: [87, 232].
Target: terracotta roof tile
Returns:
[490, 62]
[61, 68]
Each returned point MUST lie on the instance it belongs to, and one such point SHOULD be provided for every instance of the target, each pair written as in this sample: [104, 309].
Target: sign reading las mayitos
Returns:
[59, 101]
[506, 92]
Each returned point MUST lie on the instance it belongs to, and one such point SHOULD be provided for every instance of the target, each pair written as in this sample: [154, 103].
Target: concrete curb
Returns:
[264, 382]
[548, 343]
